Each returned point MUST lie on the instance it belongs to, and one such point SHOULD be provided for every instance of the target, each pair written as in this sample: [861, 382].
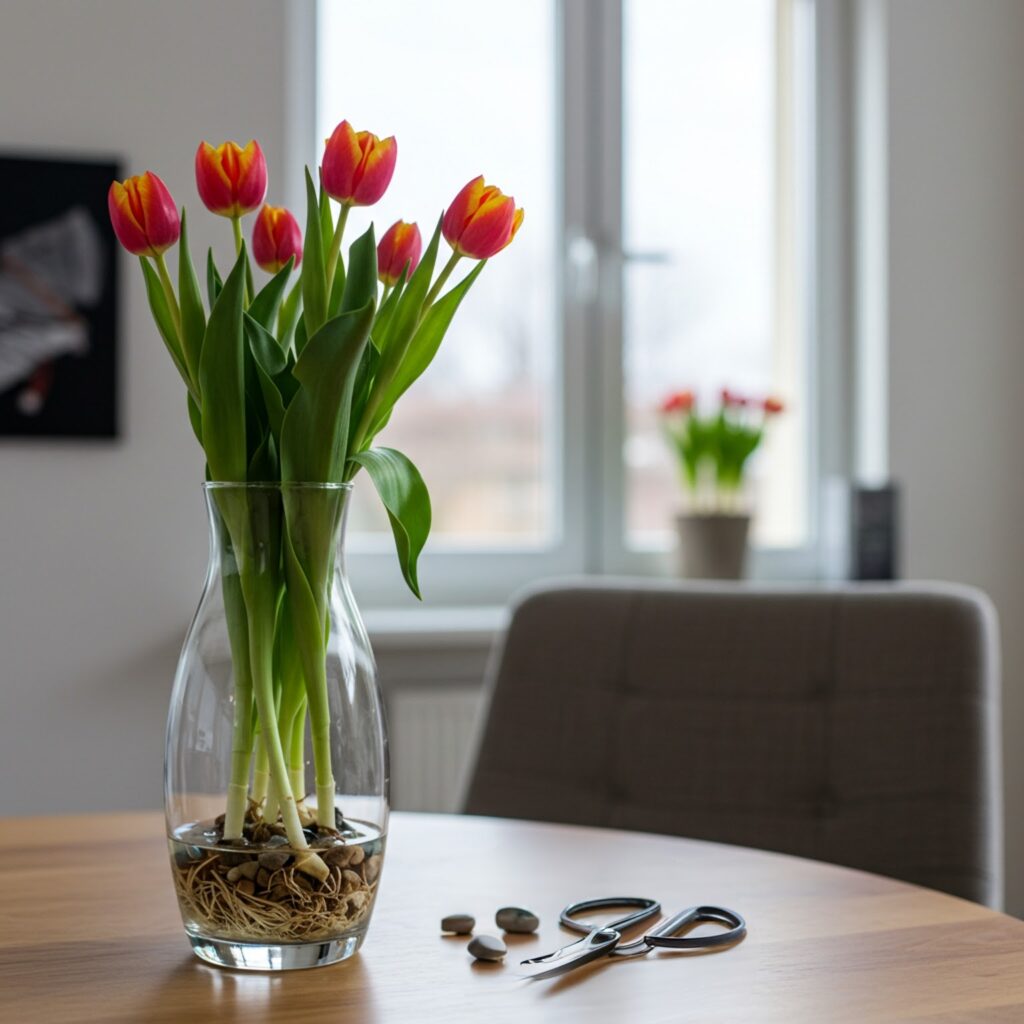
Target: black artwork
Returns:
[58, 299]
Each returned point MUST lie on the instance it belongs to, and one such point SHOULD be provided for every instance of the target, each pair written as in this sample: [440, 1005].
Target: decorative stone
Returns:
[247, 887]
[356, 856]
[516, 920]
[487, 947]
[263, 878]
[460, 924]
[249, 869]
[272, 859]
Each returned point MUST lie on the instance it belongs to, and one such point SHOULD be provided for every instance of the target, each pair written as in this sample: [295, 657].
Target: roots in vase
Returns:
[256, 890]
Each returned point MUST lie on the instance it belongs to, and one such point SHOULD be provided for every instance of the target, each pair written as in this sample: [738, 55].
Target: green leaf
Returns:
[222, 381]
[271, 368]
[289, 315]
[300, 336]
[361, 281]
[410, 305]
[425, 342]
[264, 307]
[195, 417]
[326, 219]
[193, 316]
[163, 319]
[385, 312]
[314, 436]
[314, 274]
[213, 281]
[405, 496]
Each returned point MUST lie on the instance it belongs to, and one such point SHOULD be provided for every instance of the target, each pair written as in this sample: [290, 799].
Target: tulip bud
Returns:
[231, 180]
[680, 401]
[400, 245]
[143, 215]
[276, 238]
[357, 166]
[481, 221]
[732, 399]
[773, 406]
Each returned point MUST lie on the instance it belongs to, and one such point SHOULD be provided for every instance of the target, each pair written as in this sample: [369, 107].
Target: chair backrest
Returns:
[856, 724]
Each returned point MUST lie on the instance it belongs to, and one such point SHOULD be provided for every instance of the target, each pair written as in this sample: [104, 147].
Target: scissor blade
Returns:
[593, 946]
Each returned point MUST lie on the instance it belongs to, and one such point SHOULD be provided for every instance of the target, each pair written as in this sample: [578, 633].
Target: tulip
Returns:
[143, 215]
[276, 239]
[773, 406]
[231, 180]
[400, 245]
[680, 401]
[481, 221]
[731, 398]
[357, 166]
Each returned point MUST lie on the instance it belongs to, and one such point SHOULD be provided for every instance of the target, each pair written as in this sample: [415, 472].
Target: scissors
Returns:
[606, 940]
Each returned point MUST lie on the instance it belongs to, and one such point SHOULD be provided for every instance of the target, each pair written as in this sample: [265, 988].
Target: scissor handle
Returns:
[648, 908]
[665, 934]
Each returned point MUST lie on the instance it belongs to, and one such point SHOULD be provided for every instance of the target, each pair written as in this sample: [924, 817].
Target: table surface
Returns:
[89, 931]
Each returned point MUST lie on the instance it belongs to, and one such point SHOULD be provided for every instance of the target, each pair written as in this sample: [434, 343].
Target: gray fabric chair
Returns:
[857, 725]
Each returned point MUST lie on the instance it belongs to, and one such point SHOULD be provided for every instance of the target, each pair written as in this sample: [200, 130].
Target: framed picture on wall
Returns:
[58, 299]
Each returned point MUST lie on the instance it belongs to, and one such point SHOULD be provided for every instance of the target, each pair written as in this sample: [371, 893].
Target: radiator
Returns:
[430, 729]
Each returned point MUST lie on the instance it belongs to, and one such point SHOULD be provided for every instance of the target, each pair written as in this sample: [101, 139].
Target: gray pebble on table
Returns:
[516, 920]
[461, 924]
[487, 947]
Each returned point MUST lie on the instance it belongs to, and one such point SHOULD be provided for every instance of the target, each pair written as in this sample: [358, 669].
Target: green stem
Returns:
[442, 278]
[242, 731]
[261, 772]
[366, 420]
[260, 604]
[236, 227]
[297, 753]
[172, 299]
[332, 256]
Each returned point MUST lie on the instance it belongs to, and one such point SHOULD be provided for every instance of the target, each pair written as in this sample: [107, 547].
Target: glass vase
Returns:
[276, 771]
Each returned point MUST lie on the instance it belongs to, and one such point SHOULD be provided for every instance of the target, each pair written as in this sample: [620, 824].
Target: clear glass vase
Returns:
[276, 771]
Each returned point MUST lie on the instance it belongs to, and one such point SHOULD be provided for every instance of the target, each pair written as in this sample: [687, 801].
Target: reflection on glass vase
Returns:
[276, 772]
[712, 545]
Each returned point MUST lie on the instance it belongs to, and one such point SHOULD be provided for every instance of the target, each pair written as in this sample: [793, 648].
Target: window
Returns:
[664, 153]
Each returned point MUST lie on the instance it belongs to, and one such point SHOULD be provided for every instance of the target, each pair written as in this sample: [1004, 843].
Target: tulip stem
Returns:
[332, 256]
[236, 227]
[172, 299]
[440, 282]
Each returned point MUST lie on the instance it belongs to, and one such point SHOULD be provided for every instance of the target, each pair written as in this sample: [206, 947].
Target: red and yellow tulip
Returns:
[401, 244]
[232, 180]
[678, 401]
[357, 166]
[276, 238]
[143, 215]
[481, 220]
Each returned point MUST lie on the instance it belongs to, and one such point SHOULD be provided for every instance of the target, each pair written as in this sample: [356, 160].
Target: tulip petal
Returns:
[489, 230]
[462, 208]
[375, 172]
[342, 157]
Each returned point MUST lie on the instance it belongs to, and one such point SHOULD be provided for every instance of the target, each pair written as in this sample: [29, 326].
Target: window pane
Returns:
[478, 423]
[709, 302]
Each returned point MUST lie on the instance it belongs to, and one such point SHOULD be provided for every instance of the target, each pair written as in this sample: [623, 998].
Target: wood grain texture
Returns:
[92, 934]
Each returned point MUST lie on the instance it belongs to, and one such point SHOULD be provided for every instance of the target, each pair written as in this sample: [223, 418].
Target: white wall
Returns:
[956, 320]
[103, 546]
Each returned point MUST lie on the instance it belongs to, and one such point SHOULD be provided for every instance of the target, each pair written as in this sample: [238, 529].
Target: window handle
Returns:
[581, 260]
[651, 256]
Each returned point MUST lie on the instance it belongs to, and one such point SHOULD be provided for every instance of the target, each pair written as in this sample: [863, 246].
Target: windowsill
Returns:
[440, 626]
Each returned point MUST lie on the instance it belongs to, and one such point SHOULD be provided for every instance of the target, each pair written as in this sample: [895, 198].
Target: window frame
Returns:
[588, 472]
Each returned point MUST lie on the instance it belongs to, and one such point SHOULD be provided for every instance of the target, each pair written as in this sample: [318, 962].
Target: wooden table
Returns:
[92, 934]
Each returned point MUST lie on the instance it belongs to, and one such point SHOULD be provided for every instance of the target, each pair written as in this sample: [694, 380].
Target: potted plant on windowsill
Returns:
[712, 452]
[276, 775]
